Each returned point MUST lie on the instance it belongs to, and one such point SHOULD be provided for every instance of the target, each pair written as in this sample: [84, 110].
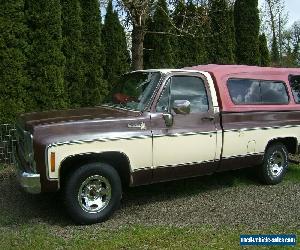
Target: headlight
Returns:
[28, 147]
[25, 143]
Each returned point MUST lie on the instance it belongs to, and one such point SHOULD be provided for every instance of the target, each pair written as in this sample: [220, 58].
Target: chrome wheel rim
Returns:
[276, 163]
[94, 194]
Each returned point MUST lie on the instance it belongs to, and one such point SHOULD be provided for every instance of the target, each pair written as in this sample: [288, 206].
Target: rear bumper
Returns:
[30, 182]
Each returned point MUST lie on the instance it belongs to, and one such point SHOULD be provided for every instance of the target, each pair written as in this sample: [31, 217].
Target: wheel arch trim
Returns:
[284, 140]
[89, 157]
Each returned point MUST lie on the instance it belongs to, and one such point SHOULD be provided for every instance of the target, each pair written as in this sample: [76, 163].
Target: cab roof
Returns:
[222, 70]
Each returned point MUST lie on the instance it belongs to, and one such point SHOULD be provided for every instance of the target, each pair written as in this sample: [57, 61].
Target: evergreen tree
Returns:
[221, 43]
[232, 31]
[114, 40]
[148, 43]
[296, 54]
[264, 51]
[161, 55]
[13, 45]
[274, 51]
[178, 43]
[194, 48]
[46, 59]
[246, 16]
[95, 88]
[72, 49]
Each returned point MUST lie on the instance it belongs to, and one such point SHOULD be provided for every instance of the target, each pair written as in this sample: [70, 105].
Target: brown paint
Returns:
[240, 162]
[259, 119]
[141, 177]
[31, 120]
[169, 173]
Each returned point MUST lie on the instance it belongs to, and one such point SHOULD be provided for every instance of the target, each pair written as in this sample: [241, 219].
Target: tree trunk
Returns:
[138, 36]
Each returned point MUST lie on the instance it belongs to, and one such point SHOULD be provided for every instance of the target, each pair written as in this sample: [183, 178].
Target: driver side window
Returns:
[188, 88]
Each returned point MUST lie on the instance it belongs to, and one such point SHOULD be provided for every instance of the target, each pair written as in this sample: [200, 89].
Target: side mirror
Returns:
[182, 107]
[168, 119]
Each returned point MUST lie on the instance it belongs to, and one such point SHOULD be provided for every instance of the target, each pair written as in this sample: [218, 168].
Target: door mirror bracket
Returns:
[168, 119]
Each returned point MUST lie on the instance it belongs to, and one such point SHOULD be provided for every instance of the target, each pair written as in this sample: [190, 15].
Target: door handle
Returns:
[208, 118]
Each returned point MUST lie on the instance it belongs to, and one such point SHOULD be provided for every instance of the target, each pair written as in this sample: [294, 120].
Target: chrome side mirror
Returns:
[168, 119]
[182, 107]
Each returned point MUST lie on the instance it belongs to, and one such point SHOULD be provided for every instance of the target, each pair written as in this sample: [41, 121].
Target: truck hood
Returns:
[85, 124]
[30, 121]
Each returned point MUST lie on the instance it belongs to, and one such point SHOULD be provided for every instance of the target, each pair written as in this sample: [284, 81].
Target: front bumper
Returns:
[30, 182]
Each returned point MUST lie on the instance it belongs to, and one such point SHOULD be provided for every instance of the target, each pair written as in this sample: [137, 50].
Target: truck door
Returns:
[184, 143]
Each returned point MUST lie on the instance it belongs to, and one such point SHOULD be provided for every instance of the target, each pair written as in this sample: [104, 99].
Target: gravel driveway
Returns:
[211, 200]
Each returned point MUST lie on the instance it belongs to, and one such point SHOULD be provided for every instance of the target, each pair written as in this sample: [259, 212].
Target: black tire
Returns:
[275, 164]
[88, 180]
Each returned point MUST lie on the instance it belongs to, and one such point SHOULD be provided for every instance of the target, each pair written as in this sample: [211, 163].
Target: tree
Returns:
[247, 31]
[275, 19]
[72, 49]
[149, 43]
[138, 12]
[221, 43]
[95, 88]
[232, 30]
[295, 33]
[189, 46]
[178, 42]
[291, 42]
[114, 40]
[13, 47]
[195, 45]
[160, 54]
[264, 51]
[275, 51]
[46, 59]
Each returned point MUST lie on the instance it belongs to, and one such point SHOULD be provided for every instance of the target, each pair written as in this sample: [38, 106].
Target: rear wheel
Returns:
[275, 164]
[92, 193]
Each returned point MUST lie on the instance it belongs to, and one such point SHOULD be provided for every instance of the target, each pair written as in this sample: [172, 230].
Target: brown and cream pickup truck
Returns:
[162, 125]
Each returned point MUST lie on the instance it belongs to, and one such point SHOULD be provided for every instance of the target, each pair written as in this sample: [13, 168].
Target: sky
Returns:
[293, 8]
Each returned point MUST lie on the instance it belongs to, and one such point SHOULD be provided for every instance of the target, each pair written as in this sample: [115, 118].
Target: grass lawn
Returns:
[293, 173]
[133, 237]
[17, 232]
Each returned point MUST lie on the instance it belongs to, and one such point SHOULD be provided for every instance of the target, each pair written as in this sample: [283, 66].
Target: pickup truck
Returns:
[161, 125]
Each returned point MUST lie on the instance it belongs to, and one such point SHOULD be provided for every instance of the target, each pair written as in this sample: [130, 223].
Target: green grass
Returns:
[293, 173]
[133, 237]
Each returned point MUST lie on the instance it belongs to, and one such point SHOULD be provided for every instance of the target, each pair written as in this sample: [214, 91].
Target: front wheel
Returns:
[275, 164]
[92, 193]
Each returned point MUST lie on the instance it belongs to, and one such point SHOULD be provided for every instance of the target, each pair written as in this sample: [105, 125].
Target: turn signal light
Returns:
[52, 162]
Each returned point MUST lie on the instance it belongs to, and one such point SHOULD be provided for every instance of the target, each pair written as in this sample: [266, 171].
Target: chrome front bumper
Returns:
[30, 182]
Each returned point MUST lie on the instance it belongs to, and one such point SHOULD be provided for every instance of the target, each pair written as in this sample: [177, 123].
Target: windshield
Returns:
[134, 90]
